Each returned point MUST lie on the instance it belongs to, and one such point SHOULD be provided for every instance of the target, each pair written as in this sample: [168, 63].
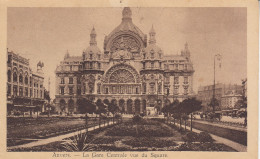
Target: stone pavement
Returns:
[236, 146]
[56, 138]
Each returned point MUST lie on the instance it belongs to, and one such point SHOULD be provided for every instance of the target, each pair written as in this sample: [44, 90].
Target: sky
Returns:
[45, 34]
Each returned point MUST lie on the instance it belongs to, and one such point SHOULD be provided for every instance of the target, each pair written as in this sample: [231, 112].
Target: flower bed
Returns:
[143, 129]
[149, 142]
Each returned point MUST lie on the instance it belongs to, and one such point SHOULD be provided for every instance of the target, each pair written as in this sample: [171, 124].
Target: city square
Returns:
[131, 94]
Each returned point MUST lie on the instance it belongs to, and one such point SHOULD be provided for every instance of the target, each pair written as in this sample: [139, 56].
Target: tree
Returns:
[86, 106]
[101, 107]
[190, 105]
[113, 108]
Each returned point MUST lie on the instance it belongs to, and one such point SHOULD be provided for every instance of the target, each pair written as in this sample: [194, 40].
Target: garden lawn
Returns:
[147, 135]
[21, 130]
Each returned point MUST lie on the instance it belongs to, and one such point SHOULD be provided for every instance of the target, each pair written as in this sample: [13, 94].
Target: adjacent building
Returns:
[205, 93]
[24, 87]
[130, 71]
[229, 101]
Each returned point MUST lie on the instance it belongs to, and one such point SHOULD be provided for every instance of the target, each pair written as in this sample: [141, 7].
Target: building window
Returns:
[185, 90]
[160, 65]
[62, 81]
[99, 56]
[78, 80]
[15, 77]
[144, 88]
[79, 91]
[152, 88]
[90, 56]
[91, 65]
[152, 64]
[99, 66]
[144, 55]
[26, 80]
[70, 68]
[159, 88]
[9, 74]
[91, 88]
[71, 80]
[30, 81]
[176, 66]
[185, 80]
[176, 90]
[26, 92]
[21, 79]
[176, 80]
[136, 90]
[71, 90]
[62, 90]
[37, 94]
[40, 93]
[21, 91]
[9, 90]
[99, 89]
[144, 65]
[15, 90]
[31, 92]
[106, 91]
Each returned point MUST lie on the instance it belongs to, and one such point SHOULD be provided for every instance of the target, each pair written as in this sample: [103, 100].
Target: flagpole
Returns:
[213, 99]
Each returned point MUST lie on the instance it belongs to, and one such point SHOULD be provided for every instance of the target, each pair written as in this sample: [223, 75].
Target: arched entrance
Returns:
[137, 106]
[106, 101]
[62, 105]
[122, 105]
[129, 106]
[71, 106]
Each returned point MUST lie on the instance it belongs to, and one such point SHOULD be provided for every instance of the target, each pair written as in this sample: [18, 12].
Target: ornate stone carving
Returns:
[121, 76]
[125, 43]
[120, 70]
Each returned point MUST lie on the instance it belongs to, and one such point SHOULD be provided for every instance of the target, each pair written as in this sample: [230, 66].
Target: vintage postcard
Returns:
[125, 79]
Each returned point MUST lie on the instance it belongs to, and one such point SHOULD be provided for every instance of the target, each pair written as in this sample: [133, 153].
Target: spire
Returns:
[127, 14]
[186, 51]
[186, 46]
[93, 35]
[152, 36]
[67, 55]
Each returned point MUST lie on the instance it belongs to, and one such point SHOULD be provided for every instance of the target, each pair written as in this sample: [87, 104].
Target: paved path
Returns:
[232, 144]
[221, 125]
[56, 138]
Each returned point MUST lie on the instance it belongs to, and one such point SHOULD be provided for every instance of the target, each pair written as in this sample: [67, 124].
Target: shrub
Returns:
[191, 137]
[137, 119]
[205, 137]
[118, 116]
[78, 143]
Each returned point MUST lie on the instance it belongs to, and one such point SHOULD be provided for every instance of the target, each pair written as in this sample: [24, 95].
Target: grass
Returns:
[123, 137]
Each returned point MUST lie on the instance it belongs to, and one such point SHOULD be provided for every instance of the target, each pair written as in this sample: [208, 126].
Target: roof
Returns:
[174, 57]
[127, 25]
[73, 58]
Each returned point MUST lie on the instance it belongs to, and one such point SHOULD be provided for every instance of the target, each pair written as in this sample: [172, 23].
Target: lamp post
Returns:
[218, 56]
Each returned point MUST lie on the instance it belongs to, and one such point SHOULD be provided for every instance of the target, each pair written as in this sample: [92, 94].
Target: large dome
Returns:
[125, 28]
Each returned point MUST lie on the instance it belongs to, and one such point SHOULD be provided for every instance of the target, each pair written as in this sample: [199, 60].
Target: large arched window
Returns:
[15, 77]
[26, 79]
